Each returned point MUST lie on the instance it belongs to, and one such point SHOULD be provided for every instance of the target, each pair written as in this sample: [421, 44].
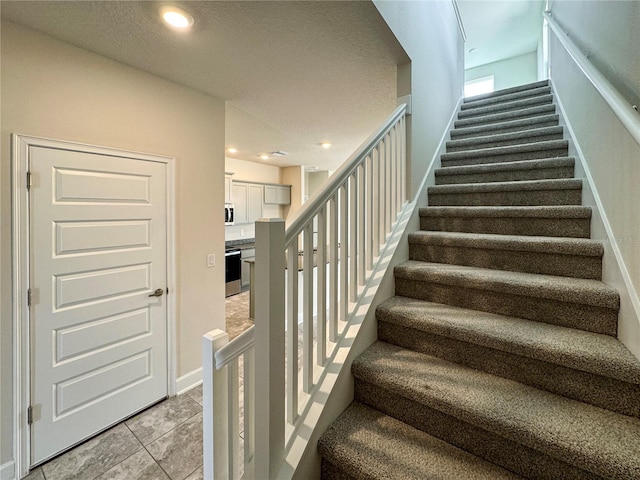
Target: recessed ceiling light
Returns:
[264, 157]
[232, 150]
[176, 18]
[325, 145]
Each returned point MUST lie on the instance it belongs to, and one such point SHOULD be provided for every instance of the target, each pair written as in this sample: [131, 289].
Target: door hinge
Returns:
[29, 179]
[30, 415]
[28, 297]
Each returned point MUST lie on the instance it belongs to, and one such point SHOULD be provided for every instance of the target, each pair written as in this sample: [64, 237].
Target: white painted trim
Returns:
[611, 237]
[20, 262]
[406, 99]
[8, 471]
[456, 10]
[172, 300]
[188, 381]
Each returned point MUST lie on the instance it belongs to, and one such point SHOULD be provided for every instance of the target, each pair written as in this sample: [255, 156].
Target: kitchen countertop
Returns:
[240, 243]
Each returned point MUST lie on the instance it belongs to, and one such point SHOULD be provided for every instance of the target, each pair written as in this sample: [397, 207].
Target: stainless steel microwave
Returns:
[228, 214]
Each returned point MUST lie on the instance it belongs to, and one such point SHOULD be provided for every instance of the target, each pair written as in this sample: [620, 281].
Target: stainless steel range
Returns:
[233, 271]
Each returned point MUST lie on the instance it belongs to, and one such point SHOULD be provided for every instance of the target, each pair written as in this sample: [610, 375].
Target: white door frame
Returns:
[20, 261]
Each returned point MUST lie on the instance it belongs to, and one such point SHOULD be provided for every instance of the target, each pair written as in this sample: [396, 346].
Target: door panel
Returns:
[97, 250]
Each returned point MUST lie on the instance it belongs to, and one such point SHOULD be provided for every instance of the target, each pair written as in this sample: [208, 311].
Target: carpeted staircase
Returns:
[498, 357]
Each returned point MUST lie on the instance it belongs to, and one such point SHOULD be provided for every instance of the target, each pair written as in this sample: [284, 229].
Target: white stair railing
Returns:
[308, 282]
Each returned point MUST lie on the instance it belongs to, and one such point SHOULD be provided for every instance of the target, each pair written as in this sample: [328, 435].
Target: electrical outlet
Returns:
[211, 260]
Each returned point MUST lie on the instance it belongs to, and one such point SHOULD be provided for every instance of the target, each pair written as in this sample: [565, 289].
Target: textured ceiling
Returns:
[294, 74]
[500, 29]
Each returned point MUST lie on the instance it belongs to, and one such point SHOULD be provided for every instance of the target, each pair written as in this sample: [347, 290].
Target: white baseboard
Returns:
[8, 471]
[188, 381]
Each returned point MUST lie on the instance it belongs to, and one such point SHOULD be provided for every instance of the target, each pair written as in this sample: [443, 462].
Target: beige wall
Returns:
[429, 33]
[252, 171]
[52, 89]
[295, 177]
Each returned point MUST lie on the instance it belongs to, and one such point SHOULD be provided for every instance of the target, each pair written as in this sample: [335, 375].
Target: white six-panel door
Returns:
[97, 252]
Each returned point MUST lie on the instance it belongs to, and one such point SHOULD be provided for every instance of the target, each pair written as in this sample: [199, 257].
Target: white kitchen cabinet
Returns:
[254, 203]
[277, 194]
[228, 181]
[247, 201]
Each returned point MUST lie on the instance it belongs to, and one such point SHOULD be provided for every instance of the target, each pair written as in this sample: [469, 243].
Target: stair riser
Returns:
[504, 143]
[505, 176]
[576, 266]
[603, 392]
[509, 198]
[506, 98]
[507, 157]
[505, 116]
[505, 107]
[463, 134]
[508, 454]
[328, 471]
[565, 314]
[549, 227]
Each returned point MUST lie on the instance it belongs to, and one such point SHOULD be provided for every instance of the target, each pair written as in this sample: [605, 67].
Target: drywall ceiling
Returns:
[294, 74]
[500, 29]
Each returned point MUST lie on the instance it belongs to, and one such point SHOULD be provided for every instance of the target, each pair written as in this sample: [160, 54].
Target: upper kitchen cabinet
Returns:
[228, 180]
[247, 200]
[277, 194]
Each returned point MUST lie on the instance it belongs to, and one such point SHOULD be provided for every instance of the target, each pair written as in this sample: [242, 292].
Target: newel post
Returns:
[215, 420]
[269, 347]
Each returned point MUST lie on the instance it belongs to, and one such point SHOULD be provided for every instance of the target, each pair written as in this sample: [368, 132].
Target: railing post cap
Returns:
[270, 220]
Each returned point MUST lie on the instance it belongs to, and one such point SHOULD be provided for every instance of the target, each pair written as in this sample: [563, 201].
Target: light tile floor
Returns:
[163, 442]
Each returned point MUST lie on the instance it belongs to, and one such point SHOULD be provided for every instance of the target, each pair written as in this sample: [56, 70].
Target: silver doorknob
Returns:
[158, 293]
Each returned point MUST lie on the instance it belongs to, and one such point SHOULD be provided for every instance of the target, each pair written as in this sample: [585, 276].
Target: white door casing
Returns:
[98, 344]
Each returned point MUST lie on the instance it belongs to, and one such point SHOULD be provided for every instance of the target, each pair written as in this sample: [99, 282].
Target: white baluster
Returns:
[307, 318]
[392, 184]
[376, 201]
[321, 309]
[353, 236]
[233, 413]
[344, 249]
[292, 331]
[249, 407]
[361, 207]
[369, 236]
[333, 269]
[215, 422]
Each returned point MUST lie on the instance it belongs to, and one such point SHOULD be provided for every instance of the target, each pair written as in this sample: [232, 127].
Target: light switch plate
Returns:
[211, 260]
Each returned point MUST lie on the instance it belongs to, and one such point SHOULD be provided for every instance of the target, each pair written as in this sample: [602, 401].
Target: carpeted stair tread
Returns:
[481, 153]
[575, 290]
[564, 256]
[506, 97]
[504, 139]
[528, 185]
[504, 127]
[505, 116]
[507, 106]
[553, 221]
[572, 348]
[367, 444]
[588, 437]
[506, 166]
[507, 91]
[564, 191]
[566, 246]
[544, 211]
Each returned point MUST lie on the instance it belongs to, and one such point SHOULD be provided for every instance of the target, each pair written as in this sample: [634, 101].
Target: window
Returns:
[478, 86]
